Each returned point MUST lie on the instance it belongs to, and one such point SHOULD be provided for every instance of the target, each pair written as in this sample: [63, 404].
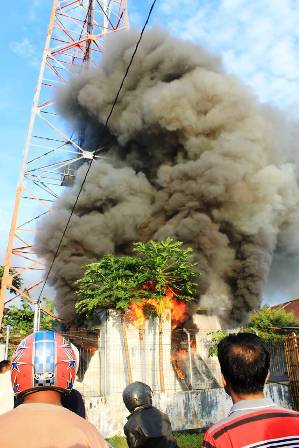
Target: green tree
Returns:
[17, 280]
[217, 336]
[20, 318]
[264, 322]
[169, 266]
[166, 266]
[116, 281]
[110, 283]
[267, 320]
[155, 267]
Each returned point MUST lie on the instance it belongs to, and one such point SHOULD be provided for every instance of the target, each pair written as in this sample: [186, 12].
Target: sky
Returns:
[258, 41]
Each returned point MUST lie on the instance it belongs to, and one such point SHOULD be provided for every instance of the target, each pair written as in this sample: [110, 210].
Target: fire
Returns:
[137, 309]
[178, 308]
[178, 312]
[176, 359]
[137, 313]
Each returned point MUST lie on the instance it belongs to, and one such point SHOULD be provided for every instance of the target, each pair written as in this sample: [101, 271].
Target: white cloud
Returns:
[26, 50]
[259, 40]
[33, 9]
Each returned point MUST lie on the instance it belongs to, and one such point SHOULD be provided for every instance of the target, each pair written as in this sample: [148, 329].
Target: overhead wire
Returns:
[98, 150]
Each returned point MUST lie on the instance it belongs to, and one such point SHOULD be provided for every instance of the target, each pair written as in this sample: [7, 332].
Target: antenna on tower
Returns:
[75, 40]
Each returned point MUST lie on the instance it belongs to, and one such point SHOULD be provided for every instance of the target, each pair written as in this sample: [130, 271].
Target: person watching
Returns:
[4, 366]
[6, 394]
[254, 420]
[43, 368]
[147, 427]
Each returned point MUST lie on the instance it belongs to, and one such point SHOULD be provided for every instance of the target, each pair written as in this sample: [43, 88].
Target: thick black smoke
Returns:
[189, 153]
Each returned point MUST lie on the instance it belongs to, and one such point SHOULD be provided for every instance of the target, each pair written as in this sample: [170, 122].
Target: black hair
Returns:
[244, 362]
[3, 364]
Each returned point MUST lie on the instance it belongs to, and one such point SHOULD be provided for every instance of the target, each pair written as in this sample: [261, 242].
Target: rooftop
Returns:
[290, 306]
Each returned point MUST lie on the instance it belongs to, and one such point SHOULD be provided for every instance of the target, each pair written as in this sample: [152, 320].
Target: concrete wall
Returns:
[106, 377]
[206, 325]
[186, 410]
[107, 372]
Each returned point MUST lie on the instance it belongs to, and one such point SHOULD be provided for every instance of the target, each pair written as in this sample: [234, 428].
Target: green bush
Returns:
[184, 440]
[20, 318]
[264, 322]
[17, 280]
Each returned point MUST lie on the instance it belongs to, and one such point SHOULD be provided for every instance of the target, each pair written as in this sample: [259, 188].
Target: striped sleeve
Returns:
[208, 441]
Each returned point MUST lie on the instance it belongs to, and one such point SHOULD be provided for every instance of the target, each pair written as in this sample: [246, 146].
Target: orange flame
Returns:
[178, 312]
[178, 308]
[176, 358]
[137, 313]
[193, 344]
[179, 372]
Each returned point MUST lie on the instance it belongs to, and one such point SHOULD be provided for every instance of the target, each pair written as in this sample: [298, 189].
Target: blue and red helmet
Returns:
[43, 360]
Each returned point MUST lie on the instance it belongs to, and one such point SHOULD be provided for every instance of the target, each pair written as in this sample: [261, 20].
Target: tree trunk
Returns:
[161, 361]
[126, 350]
[142, 356]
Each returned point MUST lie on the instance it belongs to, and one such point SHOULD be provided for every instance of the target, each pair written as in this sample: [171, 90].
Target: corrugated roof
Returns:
[289, 306]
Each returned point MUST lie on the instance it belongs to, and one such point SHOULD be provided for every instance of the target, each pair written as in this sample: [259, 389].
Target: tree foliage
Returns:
[17, 280]
[116, 281]
[169, 266]
[217, 336]
[20, 318]
[264, 322]
[267, 319]
[109, 283]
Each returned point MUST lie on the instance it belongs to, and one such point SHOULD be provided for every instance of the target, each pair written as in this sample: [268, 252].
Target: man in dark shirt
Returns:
[147, 427]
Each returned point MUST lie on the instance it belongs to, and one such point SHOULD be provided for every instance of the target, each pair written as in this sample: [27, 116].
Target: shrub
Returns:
[264, 322]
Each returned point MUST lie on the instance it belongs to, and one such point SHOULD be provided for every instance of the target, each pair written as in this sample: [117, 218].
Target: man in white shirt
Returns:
[6, 392]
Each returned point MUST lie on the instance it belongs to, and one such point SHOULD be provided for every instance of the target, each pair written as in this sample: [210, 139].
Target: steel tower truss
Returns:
[74, 41]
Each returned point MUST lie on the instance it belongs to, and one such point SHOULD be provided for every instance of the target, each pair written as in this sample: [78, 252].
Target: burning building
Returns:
[191, 154]
[188, 153]
[153, 352]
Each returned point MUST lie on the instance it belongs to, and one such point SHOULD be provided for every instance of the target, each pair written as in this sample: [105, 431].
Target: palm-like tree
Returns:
[156, 271]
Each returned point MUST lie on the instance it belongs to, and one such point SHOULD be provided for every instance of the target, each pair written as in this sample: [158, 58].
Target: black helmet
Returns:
[137, 394]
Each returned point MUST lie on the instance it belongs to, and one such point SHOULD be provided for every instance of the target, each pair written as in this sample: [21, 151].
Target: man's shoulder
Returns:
[152, 410]
[220, 423]
[8, 415]
[144, 414]
[241, 418]
[27, 416]
[146, 410]
[42, 409]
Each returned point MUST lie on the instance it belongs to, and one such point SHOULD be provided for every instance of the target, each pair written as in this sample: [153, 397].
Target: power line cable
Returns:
[91, 161]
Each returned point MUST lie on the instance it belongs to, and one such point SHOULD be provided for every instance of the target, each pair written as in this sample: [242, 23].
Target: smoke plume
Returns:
[188, 153]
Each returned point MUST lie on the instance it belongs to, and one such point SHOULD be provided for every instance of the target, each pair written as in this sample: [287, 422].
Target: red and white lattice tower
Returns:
[74, 40]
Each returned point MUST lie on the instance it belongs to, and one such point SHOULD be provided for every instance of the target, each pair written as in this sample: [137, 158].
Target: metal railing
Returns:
[291, 345]
[278, 365]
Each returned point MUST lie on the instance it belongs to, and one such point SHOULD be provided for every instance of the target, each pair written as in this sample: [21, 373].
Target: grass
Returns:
[118, 442]
[184, 440]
